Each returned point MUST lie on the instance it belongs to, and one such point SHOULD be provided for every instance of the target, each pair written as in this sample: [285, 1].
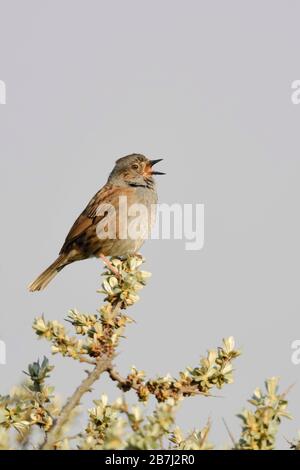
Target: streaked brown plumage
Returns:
[132, 177]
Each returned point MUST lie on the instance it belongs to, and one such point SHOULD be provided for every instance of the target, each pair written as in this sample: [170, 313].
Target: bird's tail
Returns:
[43, 280]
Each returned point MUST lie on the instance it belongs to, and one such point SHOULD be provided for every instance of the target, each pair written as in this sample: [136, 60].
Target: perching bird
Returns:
[132, 181]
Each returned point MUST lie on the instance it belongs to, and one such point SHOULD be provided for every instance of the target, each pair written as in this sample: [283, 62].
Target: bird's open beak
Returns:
[153, 162]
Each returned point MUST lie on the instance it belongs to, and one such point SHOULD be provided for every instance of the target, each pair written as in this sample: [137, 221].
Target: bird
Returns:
[131, 180]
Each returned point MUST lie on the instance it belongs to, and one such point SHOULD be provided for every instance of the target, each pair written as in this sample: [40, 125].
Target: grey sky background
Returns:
[207, 86]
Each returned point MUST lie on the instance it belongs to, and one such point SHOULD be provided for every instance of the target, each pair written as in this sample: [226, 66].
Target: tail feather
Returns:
[43, 280]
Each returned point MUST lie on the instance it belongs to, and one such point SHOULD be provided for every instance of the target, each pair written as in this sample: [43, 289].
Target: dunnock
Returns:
[132, 180]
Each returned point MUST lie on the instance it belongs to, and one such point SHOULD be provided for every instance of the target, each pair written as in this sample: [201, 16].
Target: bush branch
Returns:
[52, 435]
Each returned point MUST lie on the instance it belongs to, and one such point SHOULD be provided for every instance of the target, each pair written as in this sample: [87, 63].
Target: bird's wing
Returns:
[91, 215]
[86, 218]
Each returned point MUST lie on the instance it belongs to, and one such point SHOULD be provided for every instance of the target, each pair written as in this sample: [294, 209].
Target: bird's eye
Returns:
[135, 166]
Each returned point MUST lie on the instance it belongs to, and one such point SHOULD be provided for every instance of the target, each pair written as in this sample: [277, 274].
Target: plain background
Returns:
[207, 86]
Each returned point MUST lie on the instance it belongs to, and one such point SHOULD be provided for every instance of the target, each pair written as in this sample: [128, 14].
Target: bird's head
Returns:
[134, 170]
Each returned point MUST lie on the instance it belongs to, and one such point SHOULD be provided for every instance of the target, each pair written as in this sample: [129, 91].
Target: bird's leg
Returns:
[110, 266]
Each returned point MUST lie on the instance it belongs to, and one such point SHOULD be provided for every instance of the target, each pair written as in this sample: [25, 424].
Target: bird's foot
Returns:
[110, 266]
